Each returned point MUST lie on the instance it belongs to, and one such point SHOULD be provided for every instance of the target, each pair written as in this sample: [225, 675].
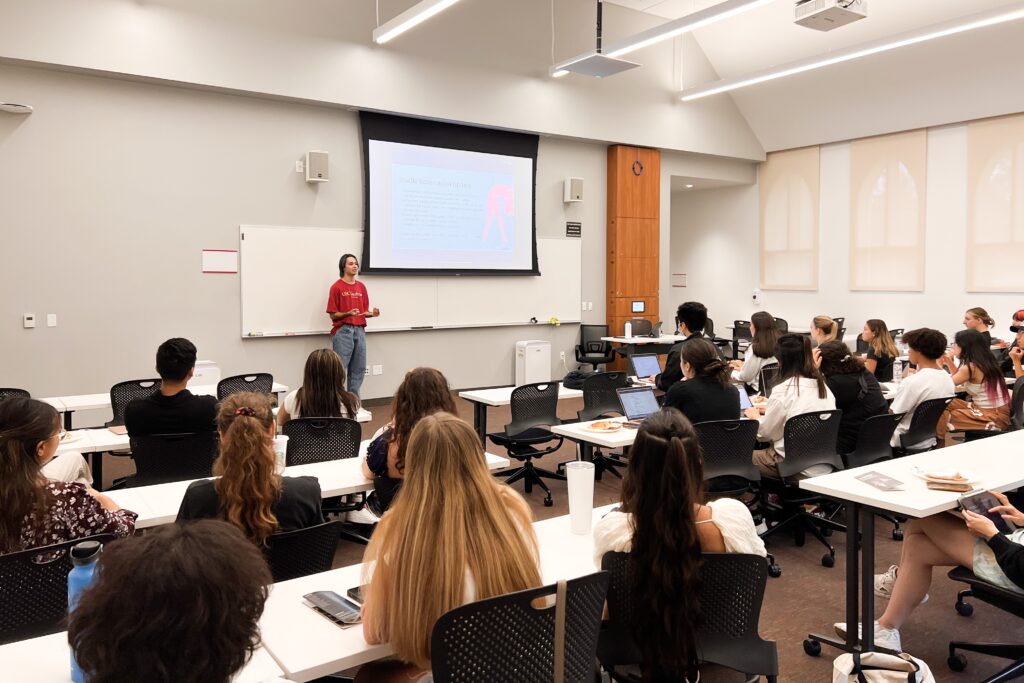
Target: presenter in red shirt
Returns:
[348, 304]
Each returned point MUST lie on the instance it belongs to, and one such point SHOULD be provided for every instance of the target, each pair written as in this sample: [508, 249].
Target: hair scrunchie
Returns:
[247, 411]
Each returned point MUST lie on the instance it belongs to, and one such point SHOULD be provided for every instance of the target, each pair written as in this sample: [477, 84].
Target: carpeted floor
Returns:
[806, 598]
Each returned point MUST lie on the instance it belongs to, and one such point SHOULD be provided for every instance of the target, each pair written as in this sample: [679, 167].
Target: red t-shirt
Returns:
[345, 297]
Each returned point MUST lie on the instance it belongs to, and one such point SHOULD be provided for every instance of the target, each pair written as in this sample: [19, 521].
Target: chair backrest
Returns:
[507, 638]
[641, 327]
[123, 393]
[385, 489]
[731, 594]
[898, 332]
[320, 439]
[161, 458]
[34, 589]
[258, 382]
[590, 339]
[599, 395]
[10, 392]
[1017, 407]
[709, 328]
[811, 439]
[292, 554]
[782, 324]
[861, 345]
[727, 446]
[873, 439]
[841, 334]
[769, 378]
[533, 405]
[921, 432]
[741, 329]
[840, 321]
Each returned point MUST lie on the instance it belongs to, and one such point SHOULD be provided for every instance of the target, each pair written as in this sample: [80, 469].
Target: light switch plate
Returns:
[51, 320]
[28, 320]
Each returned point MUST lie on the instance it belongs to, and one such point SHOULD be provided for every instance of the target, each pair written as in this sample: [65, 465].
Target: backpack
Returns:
[878, 667]
[574, 379]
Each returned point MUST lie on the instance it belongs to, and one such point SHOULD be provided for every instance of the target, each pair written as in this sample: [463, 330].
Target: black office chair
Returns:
[731, 594]
[1006, 600]
[841, 334]
[34, 589]
[873, 445]
[258, 382]
[840, 322]
[769, 378]
[920, 435]
[721, 342]
[123, 393]
[1016, 416]
[782, 325]
[741, 336]
[810, 440]
[162, 458]
[534, 409]
[321, 439]
[861, 346]
[591, 350]
[600, 399]
[292, 554]
[727, 446]
[510, 639]
[641, 327]
[9, 392]
[384, 491]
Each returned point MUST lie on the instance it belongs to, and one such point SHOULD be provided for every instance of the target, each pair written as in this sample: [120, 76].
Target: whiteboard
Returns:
[286, 273]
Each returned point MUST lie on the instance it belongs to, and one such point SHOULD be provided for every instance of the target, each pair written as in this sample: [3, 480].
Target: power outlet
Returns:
[366, 372]
[561, 356]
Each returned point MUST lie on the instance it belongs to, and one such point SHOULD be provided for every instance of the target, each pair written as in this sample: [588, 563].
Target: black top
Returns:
[1010, 557]
[883, 369]
[703, 399]
[182, 413]
[859, 397]
[673, 372]
[988, 337]
[1005, 362]
[297, 508]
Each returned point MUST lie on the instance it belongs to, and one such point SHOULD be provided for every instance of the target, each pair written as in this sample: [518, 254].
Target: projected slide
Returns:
[444, 209]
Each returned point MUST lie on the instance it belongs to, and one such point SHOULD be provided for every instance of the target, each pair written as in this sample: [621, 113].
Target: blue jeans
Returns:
[349, 342]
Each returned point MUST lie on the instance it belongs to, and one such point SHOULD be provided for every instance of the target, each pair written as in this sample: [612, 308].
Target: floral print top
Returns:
[74, 514]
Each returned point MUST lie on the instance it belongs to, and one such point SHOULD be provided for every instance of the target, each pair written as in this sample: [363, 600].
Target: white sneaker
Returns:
[362, 516]
[888, 638]
[761, 528]
[885, 582]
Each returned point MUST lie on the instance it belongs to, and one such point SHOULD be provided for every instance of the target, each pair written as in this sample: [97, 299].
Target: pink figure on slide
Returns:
[504, 195]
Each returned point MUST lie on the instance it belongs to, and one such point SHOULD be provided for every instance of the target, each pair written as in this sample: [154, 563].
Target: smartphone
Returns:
[981, 502]
[334, 607]
[356, 594]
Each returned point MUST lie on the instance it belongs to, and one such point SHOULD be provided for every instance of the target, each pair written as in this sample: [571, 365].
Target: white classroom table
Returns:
[308, 646]
[501, 396]
[994, 464]
[47, 659]
[631, 345]
[159, 504]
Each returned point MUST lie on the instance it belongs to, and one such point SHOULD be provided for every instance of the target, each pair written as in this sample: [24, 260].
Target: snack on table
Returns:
[605, 426]
[758, 400]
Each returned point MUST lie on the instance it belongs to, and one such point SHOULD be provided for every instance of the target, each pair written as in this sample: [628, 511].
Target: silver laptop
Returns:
[638, 403]
[645, 364]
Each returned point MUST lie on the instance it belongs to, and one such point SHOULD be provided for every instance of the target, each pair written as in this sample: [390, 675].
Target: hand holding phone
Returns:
[987, 505]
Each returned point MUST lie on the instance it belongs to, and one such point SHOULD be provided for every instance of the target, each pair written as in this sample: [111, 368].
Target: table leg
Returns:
[67, 419]
[96, 463]
[867, 610]
[480, 421]
[852, 561]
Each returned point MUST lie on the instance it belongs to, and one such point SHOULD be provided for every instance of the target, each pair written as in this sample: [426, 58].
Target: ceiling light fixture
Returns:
[689, 186]
[670, 29]
[941, 30]
[414, 16]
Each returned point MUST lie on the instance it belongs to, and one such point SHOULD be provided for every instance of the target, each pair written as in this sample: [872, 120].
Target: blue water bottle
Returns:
[83, 558]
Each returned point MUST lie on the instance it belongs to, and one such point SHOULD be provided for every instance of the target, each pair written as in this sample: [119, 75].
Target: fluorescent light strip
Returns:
[414, 16]
[975, 21]
[670, 29]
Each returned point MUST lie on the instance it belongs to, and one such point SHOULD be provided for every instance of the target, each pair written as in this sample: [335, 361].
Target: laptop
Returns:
[638, 403]
[645, 365]
[744, 400]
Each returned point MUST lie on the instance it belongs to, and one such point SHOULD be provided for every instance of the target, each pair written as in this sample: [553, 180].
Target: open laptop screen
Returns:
[744, 400]
[638, 402]
[645, 365]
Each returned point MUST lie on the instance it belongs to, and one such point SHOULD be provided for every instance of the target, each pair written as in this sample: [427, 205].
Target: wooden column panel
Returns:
[633, 235]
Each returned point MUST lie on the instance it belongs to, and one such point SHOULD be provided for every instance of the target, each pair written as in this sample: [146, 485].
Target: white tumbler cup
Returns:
[580, 480]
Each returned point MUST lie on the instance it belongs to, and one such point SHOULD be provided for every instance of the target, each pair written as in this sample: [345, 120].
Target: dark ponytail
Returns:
[703, 357]
[24, 422]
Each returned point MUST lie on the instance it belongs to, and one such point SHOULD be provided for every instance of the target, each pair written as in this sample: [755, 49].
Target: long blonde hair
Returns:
[882, 343]
[827, 326]
[450, 517]
[247, 487]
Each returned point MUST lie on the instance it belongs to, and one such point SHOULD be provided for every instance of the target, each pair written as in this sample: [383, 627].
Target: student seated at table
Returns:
[823, 329]
[979, 320]
[691, 317]
[454, 535]
[855, 388]
[248, 492]
[801, 389]
[180, 604]
[1010, 357]
[882, 352]
[988, 401]
[764, 332]
[665, 527]
[925, 348]
[172, 409]
[943, 540]
[707, 394]
[322, 393]
[35, 511]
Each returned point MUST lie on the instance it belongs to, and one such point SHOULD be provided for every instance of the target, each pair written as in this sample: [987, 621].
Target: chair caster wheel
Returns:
[828, 560]
[774, 571]
[957, 662]
[812, 647]
[964, 609]
[548, 502]
[897, 534]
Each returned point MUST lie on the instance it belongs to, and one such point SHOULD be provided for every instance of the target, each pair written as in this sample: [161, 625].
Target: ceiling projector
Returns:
[825, 15]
